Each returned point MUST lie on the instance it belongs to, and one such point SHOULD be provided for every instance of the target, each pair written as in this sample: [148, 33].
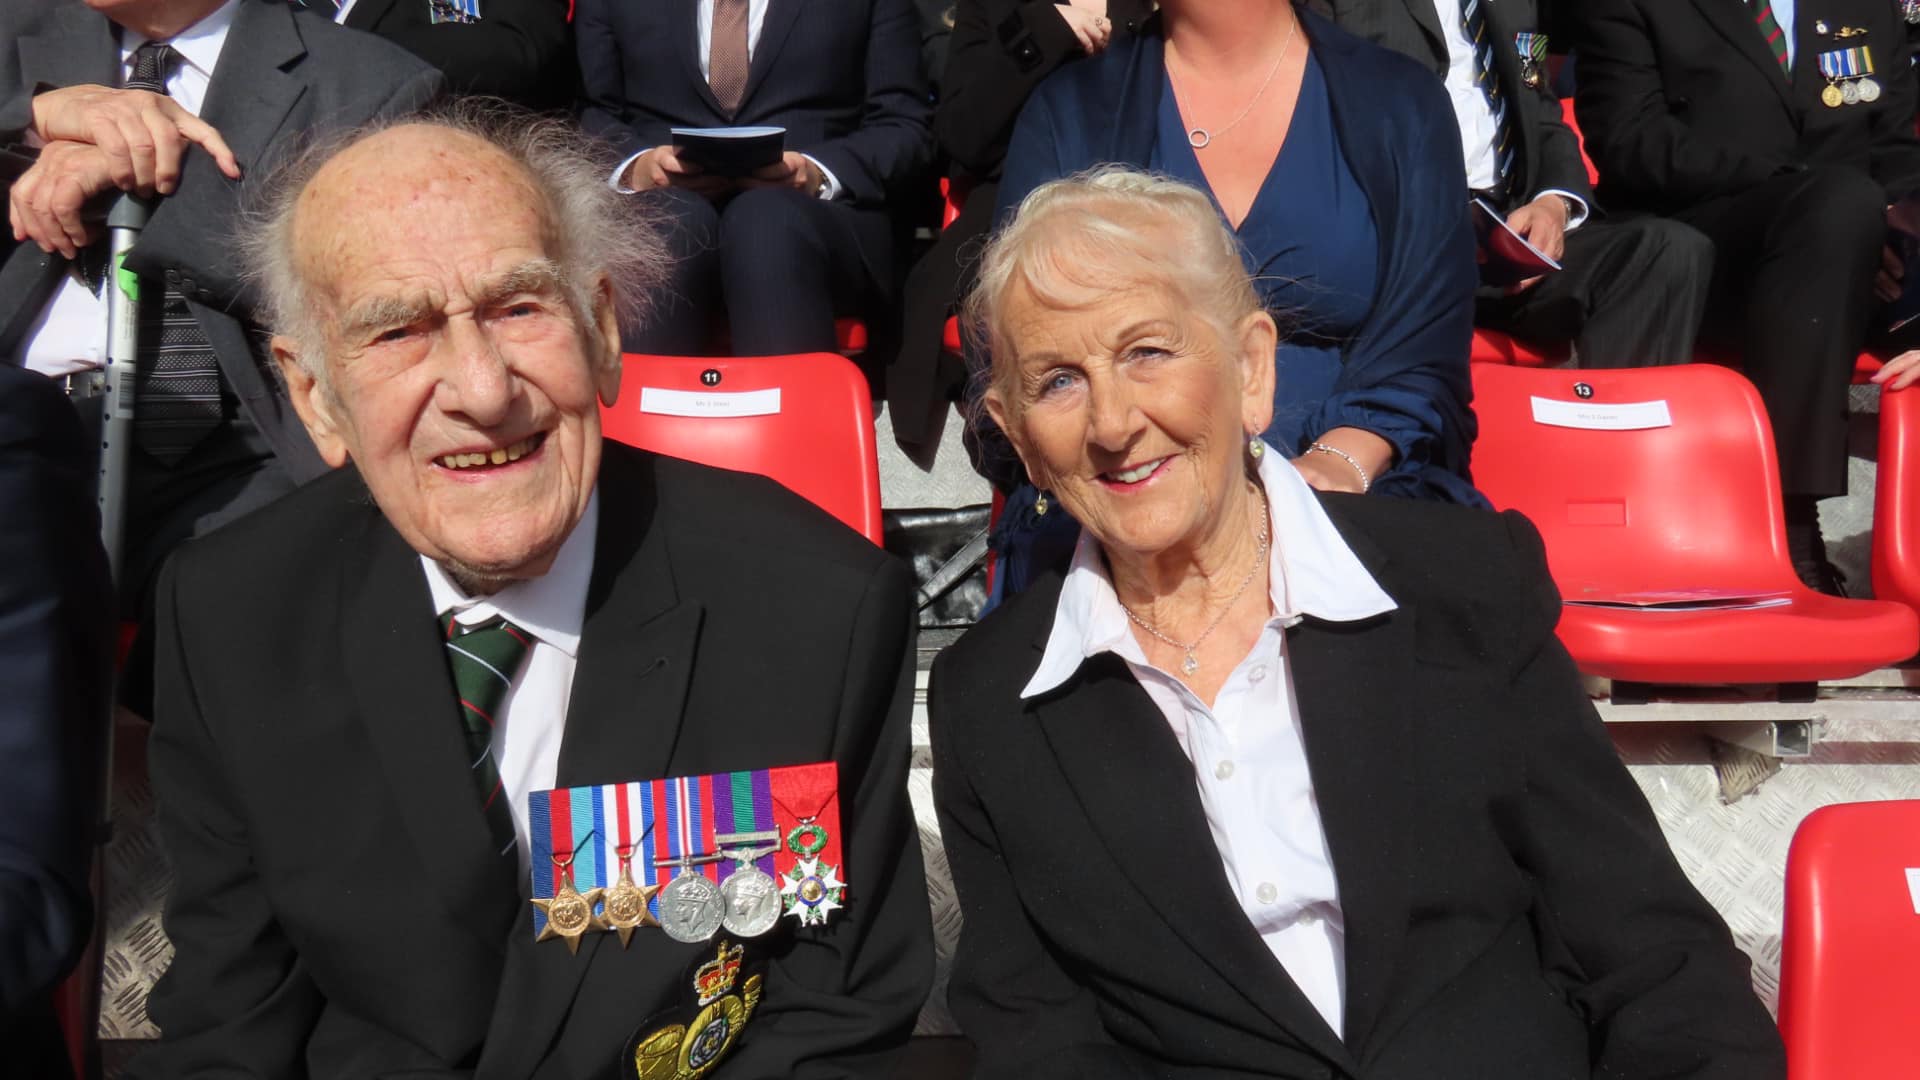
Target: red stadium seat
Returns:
[813, 432]
[1494, 347]
[1686, 511]
[1848, 1001]
[1566, 114]
[1896, 500]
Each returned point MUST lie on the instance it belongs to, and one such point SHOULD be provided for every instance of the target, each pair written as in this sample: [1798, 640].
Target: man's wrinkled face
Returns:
[458, 379]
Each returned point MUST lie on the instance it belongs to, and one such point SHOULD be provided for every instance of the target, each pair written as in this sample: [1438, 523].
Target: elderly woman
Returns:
[1337, 164]
[1277, 782]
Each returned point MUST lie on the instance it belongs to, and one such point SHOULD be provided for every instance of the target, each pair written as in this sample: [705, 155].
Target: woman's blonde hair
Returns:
[1076, 238]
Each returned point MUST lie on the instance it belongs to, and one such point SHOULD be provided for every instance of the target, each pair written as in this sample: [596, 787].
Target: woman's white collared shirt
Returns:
[1249, 760]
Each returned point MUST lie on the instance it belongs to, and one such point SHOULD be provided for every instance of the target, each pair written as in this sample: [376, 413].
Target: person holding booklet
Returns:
[1335, 163]
[769, 248]
[1630, 289]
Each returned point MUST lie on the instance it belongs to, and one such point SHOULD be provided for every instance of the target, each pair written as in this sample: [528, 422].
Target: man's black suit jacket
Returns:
[1681, 101]
[842, 76]
[520, 50]
[56, 668]
[283, 76]
[1511, 909]
[1548, 157]
[339, 908]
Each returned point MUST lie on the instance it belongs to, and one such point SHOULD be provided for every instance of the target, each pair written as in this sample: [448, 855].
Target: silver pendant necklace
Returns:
[1199, 137]
[1191, 666]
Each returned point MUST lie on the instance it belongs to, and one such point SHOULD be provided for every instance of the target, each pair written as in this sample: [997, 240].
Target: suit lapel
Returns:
[1137, 788]
[629, 692]
[686, 16]
[1734, 20]
[780, 17]
[403, 693]
[1348, 679]
[83, 48]
[367, 13]
[1428, 18]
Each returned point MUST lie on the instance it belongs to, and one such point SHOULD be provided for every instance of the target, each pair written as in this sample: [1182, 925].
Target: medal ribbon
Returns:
[743, 803]
[1847, 63]
[1531, 45]
[808, 791]
[688, 825]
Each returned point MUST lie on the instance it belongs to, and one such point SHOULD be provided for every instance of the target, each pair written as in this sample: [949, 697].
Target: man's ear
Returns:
[607, 364]
[1258, 336]
[311, 402]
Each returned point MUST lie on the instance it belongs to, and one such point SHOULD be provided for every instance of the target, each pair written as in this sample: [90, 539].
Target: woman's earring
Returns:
[1040, 504]
[1255, 448]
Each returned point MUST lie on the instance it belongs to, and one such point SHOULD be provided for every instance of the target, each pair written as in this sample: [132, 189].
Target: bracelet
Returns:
[1322, 448]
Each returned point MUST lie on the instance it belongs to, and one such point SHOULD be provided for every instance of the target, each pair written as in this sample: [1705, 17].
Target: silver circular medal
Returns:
[691, 908]
[1869, 91]
[752, 902]
[1850, 92]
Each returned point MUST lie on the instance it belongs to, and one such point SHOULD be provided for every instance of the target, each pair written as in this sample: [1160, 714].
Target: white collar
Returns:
[551, 607]
[1311, 571]
[199, 44]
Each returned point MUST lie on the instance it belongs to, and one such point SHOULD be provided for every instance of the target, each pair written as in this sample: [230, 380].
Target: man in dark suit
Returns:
[812, 236]
[520, 50]
[238, 81]
[56, 662]
[344, 901]
[1717, 113]
[1633, 287]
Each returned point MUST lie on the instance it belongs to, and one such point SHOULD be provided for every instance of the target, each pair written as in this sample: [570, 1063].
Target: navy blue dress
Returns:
[1314, 260]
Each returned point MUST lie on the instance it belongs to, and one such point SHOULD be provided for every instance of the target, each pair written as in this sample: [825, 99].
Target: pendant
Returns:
[1189, 665]
[1198, 138]
[570, 915]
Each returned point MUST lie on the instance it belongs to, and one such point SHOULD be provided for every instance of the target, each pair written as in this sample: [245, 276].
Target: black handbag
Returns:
[948, 552]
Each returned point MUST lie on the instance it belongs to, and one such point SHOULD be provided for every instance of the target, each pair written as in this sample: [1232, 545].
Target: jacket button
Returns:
[1133, 26]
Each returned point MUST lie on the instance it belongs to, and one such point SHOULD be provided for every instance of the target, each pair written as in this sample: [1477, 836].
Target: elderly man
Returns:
[351, 899]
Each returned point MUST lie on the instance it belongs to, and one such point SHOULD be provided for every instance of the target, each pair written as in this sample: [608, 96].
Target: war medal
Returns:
[1533, 56]
[569, 912]
[751, 895]
[690, 905]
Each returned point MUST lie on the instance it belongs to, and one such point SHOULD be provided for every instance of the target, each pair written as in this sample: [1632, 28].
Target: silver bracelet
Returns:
[1322, 448]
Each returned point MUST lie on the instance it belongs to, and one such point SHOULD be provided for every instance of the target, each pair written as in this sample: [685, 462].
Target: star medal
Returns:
[569, 912]
[690, 905]
[750, 895]
[812, 891]
[626, 903]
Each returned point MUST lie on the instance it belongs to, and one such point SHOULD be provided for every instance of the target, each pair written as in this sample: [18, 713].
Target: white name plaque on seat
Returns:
[704, 403]
[1610, 416]
[1913, 887]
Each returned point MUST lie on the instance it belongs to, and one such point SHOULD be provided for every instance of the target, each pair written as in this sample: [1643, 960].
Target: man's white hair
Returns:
[596, 230]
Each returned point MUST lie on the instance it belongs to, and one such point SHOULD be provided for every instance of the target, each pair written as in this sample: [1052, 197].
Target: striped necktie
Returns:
[177, 392]
[727, 59]
[1770, 29]
[484, 660]
[1473, 19]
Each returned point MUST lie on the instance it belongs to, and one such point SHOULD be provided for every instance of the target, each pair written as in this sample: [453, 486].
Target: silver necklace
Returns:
[1191, 666]
[1198, 137]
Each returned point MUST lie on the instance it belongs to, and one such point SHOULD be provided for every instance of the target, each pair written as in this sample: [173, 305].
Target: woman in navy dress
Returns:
[1337, 164]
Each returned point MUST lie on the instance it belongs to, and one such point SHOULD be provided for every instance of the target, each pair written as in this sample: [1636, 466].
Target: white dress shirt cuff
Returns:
[831, 189]
[618, 181]
[1577, 209]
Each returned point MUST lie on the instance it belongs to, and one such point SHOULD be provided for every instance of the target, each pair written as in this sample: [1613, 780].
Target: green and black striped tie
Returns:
[485, 659]
[1770, 29]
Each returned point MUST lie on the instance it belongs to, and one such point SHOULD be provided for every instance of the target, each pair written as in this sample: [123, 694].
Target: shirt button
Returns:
[1266, 892]
[1223, 771]
[1258, 673]
[1308, 918]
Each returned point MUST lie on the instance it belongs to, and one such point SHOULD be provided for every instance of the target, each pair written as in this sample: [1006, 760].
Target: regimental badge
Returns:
[691, 1050]
[453, 11]
[1533, 57]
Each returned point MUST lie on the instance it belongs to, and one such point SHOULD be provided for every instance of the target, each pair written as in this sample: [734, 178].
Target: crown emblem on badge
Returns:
[714, 980]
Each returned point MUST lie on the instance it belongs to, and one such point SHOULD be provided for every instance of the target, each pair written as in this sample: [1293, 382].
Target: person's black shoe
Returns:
[1821, 576]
